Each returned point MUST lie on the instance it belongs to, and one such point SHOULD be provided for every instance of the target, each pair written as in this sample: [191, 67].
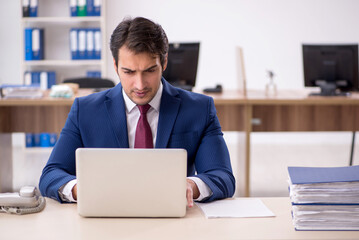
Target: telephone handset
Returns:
[24, 202]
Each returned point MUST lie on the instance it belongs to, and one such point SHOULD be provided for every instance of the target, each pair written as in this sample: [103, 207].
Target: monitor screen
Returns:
[333, 68]
[182, 65]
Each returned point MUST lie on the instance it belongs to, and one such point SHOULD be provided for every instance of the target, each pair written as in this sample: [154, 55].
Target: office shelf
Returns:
[66, 63]
[55, 20]
[61, 19]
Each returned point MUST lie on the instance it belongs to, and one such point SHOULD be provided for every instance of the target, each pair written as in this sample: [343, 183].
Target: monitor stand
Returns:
[329, 89]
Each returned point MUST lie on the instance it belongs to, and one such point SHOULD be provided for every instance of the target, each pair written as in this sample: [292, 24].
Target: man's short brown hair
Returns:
[139, 35]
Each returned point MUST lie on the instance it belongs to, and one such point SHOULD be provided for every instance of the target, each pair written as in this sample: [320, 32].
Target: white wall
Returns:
[10, 41]
[271, 33]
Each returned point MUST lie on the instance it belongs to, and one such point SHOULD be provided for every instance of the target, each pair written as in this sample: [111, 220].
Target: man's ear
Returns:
[165, 63]
[115, 66]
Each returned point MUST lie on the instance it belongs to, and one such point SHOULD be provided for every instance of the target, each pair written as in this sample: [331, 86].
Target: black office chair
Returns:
[86, 82]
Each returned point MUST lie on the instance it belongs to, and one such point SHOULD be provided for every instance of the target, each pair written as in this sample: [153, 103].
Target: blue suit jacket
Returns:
[186, 120]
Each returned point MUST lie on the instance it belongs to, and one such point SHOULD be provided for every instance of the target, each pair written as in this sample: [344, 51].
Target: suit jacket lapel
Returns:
[170, 103]
[117, 113]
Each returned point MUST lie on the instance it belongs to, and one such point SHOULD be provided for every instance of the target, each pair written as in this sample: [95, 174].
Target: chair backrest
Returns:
[86, 82]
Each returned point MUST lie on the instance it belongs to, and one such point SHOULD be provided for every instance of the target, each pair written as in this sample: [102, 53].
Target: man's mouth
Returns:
[140, 94]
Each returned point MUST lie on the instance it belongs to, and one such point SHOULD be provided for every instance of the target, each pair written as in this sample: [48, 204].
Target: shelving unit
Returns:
[60, 19]
[68, 63]
[54, 17]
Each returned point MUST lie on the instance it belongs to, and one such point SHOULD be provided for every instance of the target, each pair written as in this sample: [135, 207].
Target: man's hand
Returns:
[74, 192]
[191, 193]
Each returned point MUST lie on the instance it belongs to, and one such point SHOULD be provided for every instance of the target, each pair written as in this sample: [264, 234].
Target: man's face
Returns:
[140, 74]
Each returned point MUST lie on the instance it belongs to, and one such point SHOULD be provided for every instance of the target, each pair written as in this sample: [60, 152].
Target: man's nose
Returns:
[140, 82]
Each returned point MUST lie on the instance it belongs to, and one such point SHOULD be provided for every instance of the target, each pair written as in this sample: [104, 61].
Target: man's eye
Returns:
[128, 72]
[151, 70]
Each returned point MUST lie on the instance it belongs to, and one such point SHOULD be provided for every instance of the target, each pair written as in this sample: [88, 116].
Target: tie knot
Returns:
[144, 108]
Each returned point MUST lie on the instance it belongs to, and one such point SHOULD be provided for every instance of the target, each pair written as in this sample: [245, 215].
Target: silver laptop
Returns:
[131, 182]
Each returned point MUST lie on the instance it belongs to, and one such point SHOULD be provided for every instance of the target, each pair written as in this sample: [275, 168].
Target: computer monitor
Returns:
[182, 65]
[333, 68]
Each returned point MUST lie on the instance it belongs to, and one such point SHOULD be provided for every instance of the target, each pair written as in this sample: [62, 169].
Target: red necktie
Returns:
[143, 137]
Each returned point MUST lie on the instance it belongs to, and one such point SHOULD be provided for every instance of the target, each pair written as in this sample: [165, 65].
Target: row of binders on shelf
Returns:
[44, 79]
[93, 74]
[29, 8]
[85, 43]
[78, 8]
[34, 44]
[324, 198]
[40, 139]
[82, 8]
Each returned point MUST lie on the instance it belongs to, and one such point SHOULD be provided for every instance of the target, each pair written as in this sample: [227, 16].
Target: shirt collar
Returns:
[154, 103]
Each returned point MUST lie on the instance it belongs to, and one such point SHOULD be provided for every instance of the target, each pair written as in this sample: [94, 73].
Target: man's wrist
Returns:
[204, 190]
[194, 187]
[65, 191]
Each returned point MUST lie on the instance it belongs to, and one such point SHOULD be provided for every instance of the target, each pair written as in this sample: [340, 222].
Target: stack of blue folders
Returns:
[324, 198]
[85, 43]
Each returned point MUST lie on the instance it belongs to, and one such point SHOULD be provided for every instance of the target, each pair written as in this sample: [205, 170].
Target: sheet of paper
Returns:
[235, 208]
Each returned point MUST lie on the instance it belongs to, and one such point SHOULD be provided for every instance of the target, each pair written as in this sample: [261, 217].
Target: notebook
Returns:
[131, 182]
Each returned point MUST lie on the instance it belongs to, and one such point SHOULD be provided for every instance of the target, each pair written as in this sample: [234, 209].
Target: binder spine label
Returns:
[27, 78]
[81, 8]
[73, 8]
[90, 44]
[43, 80]
[26, 8]
[74, 44]
[82, 44]
[97, 8]
[33, 8]
[36, 44]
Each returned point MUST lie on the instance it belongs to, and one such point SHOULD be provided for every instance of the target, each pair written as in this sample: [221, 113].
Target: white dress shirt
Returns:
[132, 116]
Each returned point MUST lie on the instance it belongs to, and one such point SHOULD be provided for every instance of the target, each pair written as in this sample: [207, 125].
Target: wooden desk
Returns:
[61, 221]
[289, 111]
[28, 115]
[35, 115]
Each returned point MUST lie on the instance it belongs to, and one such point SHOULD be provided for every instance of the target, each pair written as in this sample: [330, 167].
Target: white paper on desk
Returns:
[235, 208]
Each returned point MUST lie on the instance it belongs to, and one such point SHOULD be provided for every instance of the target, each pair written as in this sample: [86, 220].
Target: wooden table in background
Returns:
[290, 110]
[29, 116]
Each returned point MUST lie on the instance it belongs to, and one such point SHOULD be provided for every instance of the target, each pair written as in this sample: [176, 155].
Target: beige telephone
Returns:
[24, 202]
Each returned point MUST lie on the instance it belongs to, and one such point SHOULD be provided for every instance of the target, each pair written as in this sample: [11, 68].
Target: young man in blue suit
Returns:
[177, 119]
